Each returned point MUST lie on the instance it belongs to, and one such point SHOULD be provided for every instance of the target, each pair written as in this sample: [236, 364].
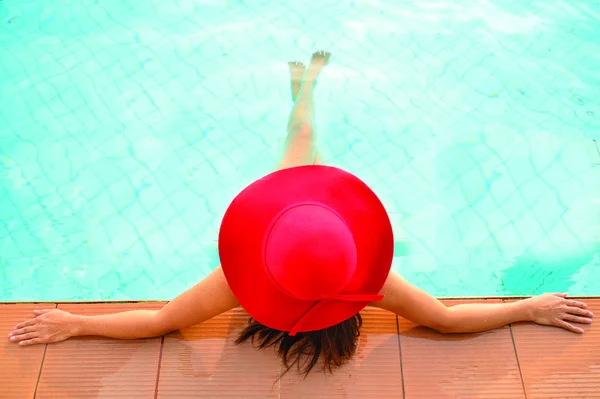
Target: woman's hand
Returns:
[50, 325]
[557, 310]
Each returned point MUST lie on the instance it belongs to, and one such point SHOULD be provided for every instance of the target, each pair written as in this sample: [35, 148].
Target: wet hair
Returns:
[335, 344]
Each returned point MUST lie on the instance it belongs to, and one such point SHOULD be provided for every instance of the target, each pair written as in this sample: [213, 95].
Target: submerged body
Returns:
[336, 344]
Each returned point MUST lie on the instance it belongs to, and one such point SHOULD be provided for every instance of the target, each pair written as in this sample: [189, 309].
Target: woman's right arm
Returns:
[205, 300]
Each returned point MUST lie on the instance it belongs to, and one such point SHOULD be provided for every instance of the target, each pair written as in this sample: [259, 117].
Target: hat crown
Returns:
[309, 251]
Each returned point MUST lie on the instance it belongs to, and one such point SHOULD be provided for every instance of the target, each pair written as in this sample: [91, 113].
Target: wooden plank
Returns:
[94, 367]
[559, 364]
[461, 366]
[19, 366]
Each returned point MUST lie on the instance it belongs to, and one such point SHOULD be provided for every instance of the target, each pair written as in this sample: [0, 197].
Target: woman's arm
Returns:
[416, 305]
[205, 300]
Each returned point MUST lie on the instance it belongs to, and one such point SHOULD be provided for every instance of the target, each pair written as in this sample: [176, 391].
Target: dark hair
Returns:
[336, 344]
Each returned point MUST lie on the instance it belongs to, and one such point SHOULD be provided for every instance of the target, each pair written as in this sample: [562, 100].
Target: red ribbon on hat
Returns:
[338, 297]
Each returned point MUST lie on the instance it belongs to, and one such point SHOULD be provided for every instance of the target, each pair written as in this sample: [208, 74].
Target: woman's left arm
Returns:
[416, 305]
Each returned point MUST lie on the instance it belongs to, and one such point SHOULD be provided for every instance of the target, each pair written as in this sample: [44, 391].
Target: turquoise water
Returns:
[126, 128]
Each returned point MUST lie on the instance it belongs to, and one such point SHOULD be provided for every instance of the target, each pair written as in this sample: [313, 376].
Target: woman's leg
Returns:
[297, 70]
[300, 144]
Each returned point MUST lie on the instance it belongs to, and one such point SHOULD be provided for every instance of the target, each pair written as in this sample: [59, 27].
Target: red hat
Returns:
[306, 248]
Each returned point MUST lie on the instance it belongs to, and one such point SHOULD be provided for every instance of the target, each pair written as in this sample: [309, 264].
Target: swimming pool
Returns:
[127, 127]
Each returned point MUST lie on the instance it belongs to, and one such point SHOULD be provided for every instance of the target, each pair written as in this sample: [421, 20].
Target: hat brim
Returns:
[249, 215]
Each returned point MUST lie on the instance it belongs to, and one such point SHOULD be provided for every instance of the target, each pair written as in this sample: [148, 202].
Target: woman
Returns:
[303, 250]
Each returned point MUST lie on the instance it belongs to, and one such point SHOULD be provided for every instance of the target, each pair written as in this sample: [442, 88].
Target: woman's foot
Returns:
[317, 62]
[297, 70]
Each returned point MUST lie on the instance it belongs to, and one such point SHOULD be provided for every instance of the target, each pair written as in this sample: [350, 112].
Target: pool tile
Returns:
[204, 361]
[19, 366]
[373, 372]
[461, 366]
[93, 367]
[558, 364]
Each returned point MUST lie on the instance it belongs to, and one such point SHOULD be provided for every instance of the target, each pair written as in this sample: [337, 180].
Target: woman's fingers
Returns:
[24, 337]
[33, 341]
[578, 315]
[568, 326]
[577, 319]
[27, 323]
[579, 311]
[21, 331]
[31, 322]
[578, 304]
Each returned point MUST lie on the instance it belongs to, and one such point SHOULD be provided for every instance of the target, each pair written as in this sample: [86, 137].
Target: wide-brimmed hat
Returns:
[306, 248]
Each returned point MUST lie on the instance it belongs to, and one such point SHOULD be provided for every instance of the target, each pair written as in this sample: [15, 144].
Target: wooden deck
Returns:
[395, 359]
